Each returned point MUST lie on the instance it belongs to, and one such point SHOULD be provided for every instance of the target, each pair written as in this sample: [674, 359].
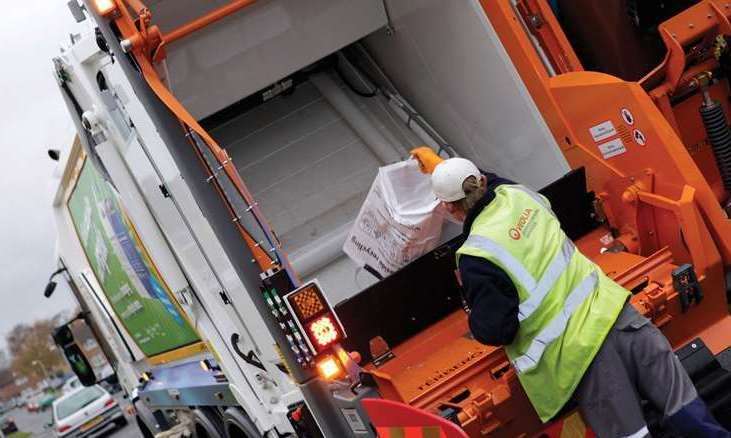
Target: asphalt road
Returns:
[35, 424]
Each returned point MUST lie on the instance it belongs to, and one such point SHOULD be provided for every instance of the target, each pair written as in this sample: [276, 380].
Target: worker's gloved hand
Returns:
[427, 158]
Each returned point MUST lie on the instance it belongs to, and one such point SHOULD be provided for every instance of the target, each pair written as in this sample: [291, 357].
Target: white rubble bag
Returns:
[399, 221]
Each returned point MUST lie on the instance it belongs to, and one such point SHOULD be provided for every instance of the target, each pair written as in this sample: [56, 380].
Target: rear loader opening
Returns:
[309, 148]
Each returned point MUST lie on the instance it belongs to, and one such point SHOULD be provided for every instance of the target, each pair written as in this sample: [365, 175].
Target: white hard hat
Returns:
[448, 177]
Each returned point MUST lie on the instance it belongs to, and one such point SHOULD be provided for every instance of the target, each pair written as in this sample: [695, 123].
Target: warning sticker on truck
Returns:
[612, 148]
[603, 131]
[354, 421]
[639, 137]
[627, 116]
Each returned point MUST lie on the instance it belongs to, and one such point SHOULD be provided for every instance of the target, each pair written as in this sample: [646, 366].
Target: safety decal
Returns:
[354, 421]
[606, 239]
[639, 137]
[627, 116]
[603, 131]
[612, 148]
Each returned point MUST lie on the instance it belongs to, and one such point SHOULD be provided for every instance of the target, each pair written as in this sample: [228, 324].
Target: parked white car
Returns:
[85, 411]
[70, 385]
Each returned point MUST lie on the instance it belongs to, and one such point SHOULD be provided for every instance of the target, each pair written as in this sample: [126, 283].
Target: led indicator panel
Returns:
[324, 331]
[315, 317]
[307, 302]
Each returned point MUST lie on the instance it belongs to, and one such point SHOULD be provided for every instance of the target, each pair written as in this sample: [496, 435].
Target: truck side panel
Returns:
[467, 87]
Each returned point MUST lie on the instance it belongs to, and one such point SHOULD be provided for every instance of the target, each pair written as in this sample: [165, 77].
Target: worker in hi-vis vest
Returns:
[568, 329]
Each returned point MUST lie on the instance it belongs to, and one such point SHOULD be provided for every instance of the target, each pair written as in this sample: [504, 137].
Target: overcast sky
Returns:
[33, 119]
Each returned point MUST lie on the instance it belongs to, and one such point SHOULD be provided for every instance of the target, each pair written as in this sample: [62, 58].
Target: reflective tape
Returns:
[554, 270]
[510, 263]
[642, 433]
[557, 326]
[536, 197]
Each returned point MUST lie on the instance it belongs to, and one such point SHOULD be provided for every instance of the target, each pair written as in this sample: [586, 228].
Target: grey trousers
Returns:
[635, 362]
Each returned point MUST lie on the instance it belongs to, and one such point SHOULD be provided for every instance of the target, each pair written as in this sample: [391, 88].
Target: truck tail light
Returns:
[104, 7]
[64, 428]
[323, 332]
[110, 402]
[329, 368]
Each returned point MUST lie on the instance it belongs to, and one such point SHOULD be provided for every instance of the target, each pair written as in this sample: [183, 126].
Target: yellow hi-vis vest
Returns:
[567, 304]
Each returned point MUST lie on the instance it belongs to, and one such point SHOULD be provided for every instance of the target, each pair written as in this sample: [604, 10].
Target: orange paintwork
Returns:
[689, 37]
[541, 22]
[574, 102]
[685, 29]
[642, 188]
[444, 366]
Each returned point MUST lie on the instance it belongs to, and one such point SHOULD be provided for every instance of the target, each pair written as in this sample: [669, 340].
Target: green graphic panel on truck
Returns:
[131, 283]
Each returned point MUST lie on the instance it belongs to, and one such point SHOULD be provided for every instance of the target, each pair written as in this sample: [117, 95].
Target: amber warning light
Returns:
[329, 368]
[104, 7]
[315, 317]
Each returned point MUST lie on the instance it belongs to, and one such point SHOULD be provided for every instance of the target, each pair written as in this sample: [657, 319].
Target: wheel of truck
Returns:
[143, 428]
[206, 424]
[239, 425]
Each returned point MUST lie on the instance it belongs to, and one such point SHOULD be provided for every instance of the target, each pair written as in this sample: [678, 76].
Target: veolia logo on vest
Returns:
[525, 224]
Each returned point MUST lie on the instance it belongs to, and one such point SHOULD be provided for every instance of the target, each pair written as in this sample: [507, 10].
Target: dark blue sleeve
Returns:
[494, 180]
[493, 301]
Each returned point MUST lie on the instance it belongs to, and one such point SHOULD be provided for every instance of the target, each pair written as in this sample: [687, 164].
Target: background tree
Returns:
[16, 337]
[4, 359]
[30, 343]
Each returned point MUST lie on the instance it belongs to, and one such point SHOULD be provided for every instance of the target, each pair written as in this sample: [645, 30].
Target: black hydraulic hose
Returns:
[719, 136]
[353, 88]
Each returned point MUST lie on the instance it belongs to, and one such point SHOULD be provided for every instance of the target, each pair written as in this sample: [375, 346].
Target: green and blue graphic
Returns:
[130, 281]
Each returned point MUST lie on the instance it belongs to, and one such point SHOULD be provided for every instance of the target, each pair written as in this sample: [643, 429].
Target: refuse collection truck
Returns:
[225, 149]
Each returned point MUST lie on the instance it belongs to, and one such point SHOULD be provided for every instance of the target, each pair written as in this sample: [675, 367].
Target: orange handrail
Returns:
[137, 6]
[129, 30]
[205, 20]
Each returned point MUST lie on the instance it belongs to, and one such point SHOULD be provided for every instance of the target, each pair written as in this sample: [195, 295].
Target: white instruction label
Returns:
[603, 131]
[354, 420]
[612, 148]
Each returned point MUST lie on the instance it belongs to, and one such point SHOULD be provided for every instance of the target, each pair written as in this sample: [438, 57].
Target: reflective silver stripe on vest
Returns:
[536, 196]
[554, 270]
[642, 433]
[557, 326]
[509, 262]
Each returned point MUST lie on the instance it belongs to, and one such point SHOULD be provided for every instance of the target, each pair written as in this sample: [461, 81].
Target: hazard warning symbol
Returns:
[639, 137]
[627, 116]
